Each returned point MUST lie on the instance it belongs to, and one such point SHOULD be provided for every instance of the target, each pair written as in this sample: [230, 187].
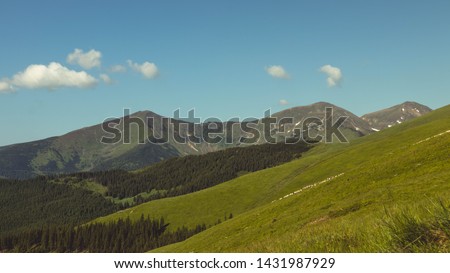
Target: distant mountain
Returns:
[354, 125]
[397, 114]
[81, 150]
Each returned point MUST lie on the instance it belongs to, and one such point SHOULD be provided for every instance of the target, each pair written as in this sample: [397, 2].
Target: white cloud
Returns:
[86, 60]
[149, 70]
[283, 102]
[117, 68]
[277, 71]
[106, 79]
[334, 75]
[5, 87]
[52, 76]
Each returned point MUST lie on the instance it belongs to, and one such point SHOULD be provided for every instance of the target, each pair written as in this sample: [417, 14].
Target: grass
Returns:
[385, 171]
[207, 206]
[428, 231]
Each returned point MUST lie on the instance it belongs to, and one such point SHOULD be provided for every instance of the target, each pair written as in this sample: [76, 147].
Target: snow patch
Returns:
[398, 121]
[390, 125]
[403, 109]
[376, 130]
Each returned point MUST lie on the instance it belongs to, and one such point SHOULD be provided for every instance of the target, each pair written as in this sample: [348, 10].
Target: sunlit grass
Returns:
[383, 172]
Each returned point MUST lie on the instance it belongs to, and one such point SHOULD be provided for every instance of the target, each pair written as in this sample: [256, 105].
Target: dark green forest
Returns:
[188, 174]
[35, 202]
[117, 237]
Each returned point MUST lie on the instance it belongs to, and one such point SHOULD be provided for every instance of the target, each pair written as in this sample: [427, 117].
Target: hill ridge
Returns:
[81, 150]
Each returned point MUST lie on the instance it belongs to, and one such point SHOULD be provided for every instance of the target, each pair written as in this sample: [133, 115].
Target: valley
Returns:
[343, 197]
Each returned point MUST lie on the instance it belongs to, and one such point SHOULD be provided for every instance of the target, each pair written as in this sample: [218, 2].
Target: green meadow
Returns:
[386, 192]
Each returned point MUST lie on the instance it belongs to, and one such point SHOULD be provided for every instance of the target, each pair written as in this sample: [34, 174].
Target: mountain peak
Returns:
[323, 104]
[396, 114]
[144, 114]
[415, 104]
[353, 123]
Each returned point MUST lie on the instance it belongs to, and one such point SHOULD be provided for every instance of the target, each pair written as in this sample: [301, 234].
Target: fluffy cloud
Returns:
[148, 70]
[86, 60]
[334, 75]
[5, 87]
[277, 71]
[51, 77]
[117, 68]
[283, 102]
[106, 79]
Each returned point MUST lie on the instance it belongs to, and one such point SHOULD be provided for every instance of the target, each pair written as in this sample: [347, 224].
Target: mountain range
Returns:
[82, 150]
[385, 192]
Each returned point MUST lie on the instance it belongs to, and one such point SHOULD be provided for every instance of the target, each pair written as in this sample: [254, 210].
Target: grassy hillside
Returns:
[382, 172]
[81, 197]
[181, 175]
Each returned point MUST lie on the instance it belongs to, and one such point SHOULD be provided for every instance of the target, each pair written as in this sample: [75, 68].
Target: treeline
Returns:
[187, 174]
[113, 237]
[35, 202]
[65, 200]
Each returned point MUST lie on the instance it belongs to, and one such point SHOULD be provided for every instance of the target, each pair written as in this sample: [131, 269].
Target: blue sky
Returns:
[214, 56]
